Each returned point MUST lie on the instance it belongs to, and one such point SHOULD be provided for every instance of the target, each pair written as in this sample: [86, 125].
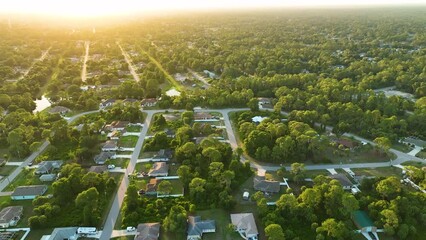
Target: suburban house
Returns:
[210, 74]
[201, 116]
[151, 187]
[148, 231]
[98, 169]
[169, 132]
[258, 119]
[162, 155]
[69, 233]
[46, 167]
[9, 216]
[159, 169]
[267, 186]
[110, 146]
[59, 109]
[28, 192]
[102, 157]
[149, 102]
[116, 126]
[344, 181]
[364, 224]
[245, 225]
[115, 135]
[264, 101]
[107, 103]
[48, 177]
[196, 227]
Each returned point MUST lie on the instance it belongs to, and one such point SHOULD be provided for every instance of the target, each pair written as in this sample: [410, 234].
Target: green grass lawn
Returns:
[128, 141]
[143, 167]
[26, 177]
[38, 233]
[119, 162]
[412, 163]
[118, 177]
[133, 128]
[7, 170]
[222, 219]
[402, 147]
[143, 154]
[378, 172]
[4, 153]
[421, 154]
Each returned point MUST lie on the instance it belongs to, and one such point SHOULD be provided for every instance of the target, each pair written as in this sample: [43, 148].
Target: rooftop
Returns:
[148, 231]
[245, 221]
[8, 214]
[261, 184]
[29, 190]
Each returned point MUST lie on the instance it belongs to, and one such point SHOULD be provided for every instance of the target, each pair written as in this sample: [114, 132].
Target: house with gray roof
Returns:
[344, 181]
[102, 157]
[46, 167]
[159, 169]
[263, 185]
[98, 169]
[110, 146]
[28, 192]
[9, 216]
[245, 225]
[196, 227]
[148, 231]
[69, 233]
[59, 109]
[48, 177]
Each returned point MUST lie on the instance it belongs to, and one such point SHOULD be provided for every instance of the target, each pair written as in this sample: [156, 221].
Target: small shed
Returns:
[47, 177]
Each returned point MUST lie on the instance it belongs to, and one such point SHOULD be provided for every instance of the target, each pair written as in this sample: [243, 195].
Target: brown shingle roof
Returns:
[261, 184]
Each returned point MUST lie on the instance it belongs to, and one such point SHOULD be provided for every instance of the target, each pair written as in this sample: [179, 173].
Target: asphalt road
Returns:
[129, 62]
[119, 196]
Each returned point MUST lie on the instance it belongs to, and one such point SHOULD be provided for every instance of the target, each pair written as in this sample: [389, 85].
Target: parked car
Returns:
[111, 166]
[130, 229]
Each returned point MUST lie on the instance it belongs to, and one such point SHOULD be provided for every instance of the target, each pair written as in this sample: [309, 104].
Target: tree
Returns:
[274, 232]
[185, 175]
[389, 188]
[88, 201]
[383, 143]
[333, 228]
[197, 190]
[176, 221]
[298, 171]
[253, 104]
[164, 188]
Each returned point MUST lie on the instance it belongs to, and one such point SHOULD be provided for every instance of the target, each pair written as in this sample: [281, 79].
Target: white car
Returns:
[130, 229]
[111, 166]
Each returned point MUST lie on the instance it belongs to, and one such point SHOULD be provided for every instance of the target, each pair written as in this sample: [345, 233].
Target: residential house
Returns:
[151, 187]
[28, 192]
[202, 116]
[48, 177]
[69, 233]
[267, 186]
[98, 169]
[107, 103]
[169, 132]
[258, 119]
[148, 231]
[264, 101]
[115, 135]
[103, 157]
[117, 126]
[9, 216]
[46, 167]
[196, 227]
[110, 146]
[344, 181]
[209, 74]
[244, 224]
[149, 102]
[159, 169]
[59, 109]
[162, 155]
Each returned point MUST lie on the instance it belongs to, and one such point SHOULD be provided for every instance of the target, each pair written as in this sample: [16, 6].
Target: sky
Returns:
[84, 8]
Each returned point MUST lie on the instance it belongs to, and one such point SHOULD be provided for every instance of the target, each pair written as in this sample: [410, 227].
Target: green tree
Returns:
[176, 221]
[274, 232]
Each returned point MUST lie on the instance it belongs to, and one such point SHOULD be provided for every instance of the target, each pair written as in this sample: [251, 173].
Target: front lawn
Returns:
[119, 162]
[7, 170]
[26, 177]
[133, 128]
[223, 219]
[128, 141]
[378, 172]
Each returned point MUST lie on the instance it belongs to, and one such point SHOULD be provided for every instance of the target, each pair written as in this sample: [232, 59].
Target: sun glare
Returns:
[94, 8]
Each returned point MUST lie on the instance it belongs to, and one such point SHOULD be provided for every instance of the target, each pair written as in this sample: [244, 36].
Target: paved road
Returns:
[130, 63]
[86, 57]
[119, 196]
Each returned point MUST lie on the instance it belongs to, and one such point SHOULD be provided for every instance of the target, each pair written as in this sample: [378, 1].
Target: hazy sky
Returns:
[106, 7]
